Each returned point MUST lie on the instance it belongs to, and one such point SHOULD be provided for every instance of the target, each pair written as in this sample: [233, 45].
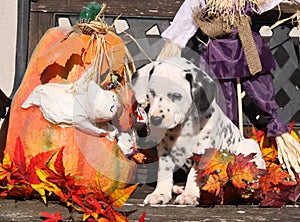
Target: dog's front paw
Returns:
[187, 199]
[157, 198]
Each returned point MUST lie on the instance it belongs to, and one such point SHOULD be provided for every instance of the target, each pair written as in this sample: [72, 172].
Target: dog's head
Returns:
[175, 88]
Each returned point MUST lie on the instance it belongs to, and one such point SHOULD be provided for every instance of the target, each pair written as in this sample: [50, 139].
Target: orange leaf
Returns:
[214, 161]
[213, 184]
[274, 177]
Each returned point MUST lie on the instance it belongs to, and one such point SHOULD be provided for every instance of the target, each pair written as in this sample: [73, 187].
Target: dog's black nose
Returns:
[156, 120]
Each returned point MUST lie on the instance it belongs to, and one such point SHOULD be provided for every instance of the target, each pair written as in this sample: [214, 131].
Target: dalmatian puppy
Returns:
[182, 102]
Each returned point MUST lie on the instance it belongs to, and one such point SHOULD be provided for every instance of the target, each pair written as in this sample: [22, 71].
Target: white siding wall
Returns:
[8, 27]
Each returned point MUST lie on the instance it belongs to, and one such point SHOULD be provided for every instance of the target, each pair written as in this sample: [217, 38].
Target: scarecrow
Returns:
[234, 53]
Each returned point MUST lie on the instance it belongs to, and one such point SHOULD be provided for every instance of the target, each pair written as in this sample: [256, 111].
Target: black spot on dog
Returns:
[171, 138]
[167, 169]
[152, 92]
[151, 72]
[228, 142]
[213, 143]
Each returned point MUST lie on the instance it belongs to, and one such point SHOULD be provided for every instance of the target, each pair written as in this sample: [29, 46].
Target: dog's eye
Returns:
[175, 96]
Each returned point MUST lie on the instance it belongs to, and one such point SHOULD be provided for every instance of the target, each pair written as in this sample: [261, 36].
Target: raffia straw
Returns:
[226, 8]
[284, 20]
[97, 29]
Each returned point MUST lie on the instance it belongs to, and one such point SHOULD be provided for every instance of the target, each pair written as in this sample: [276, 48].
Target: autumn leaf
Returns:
[294, 193]
[52, 218]
[273, 199]
[37, 162]
[256, 135]
[119, 217]
[274, 177]
[119, 196]
[213, 161]
[213, 184]
[19, 157]
[7, 169]
[269, 154]
[58, 177]
[242, 171]
[59, 164]
[45, 185]
[142, 218]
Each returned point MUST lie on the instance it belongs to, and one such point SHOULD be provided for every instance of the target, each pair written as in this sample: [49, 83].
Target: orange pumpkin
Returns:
[62, 56]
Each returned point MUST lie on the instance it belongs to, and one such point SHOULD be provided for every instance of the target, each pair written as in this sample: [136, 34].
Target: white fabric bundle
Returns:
[66, 105]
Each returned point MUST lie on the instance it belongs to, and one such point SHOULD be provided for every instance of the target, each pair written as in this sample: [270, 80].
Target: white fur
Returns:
[187, 131]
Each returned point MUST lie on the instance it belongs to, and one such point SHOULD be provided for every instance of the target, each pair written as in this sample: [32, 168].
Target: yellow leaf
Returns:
[294, 134]
[269, 154]
[6, 161]
[40, 189]
[87, 215]
[120, 196]
[46, 185]
[42, 174]
[213, 184]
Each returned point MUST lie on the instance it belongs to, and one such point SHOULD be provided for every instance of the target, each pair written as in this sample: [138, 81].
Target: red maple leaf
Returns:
[27, 174]
[274, 198]
[19, 157]
[242, 171]
[51, 218]
[58, 177]
[257, 135]
[142, 218]
[39, 161]
[292, 125]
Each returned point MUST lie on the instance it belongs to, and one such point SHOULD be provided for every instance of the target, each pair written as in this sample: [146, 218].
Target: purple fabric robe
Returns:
[224, 59]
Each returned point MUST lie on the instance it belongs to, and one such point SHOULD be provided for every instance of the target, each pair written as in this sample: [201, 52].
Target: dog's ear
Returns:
[140, 82]
[203, 89]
